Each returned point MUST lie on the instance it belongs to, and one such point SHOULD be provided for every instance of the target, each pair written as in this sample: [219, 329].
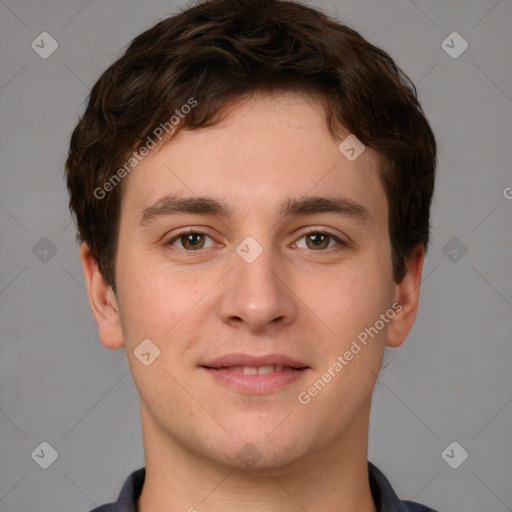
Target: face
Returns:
[253, 254]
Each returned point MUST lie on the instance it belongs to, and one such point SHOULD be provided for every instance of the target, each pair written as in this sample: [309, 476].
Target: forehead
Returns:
[264, 150]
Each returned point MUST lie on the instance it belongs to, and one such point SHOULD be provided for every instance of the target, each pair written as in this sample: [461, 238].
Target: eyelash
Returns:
[310, 232]
[332, 237]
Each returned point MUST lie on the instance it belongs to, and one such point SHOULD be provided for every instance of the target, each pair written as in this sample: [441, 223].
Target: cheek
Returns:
[353, 299]
[160, 303]
[147, 302]
[352, 307]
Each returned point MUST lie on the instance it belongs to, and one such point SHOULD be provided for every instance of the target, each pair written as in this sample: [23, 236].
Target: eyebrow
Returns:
[202, 205]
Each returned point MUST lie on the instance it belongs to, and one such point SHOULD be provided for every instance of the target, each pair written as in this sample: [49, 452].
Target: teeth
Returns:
[260, 370]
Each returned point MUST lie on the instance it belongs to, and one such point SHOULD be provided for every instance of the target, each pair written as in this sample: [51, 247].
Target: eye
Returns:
[190, 240]
[319, 240]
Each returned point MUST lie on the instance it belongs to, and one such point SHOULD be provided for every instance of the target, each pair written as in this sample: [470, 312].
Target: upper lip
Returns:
[251, 361]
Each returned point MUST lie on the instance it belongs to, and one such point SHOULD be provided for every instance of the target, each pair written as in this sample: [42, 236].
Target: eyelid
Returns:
[188, 231]
[327, 232]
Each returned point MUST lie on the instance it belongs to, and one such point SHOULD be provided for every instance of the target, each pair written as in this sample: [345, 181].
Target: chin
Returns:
[263, 449]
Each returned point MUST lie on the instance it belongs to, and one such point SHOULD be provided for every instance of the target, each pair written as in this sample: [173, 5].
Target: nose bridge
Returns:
[256, 294]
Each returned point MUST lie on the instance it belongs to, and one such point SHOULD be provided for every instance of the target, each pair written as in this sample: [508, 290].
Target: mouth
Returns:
[255, 375]
[256, 370]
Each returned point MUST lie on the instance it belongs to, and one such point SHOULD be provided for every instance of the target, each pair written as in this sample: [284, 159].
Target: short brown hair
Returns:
[222, 50]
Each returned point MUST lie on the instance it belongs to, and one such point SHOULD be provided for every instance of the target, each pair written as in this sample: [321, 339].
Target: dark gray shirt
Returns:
[383, 495]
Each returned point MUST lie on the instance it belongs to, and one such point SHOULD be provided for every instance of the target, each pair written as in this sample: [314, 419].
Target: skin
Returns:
[294, 299]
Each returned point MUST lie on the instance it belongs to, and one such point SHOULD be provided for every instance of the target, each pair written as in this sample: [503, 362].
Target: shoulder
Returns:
[385, 497]
[130, 492]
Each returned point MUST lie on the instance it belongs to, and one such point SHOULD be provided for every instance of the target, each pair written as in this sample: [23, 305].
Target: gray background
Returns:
[450, 382]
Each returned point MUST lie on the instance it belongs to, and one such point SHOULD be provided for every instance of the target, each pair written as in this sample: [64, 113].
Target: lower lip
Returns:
[256, 384]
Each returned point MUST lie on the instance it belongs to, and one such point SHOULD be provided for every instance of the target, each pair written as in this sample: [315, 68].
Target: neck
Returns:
[331, 479]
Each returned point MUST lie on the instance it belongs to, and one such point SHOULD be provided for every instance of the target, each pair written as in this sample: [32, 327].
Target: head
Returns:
[246, 103]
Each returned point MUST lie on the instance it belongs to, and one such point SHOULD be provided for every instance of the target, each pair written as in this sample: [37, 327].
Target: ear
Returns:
[407, 296]
[102, 300]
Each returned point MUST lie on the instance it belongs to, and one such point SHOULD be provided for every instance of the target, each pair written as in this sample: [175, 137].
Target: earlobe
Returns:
[102, 300]
[407, 295]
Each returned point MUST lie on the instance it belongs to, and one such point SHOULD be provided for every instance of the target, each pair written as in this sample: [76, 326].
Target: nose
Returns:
[258, 295]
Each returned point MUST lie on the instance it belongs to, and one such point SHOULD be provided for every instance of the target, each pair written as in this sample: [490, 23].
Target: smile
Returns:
[255, 379]
[258, 370]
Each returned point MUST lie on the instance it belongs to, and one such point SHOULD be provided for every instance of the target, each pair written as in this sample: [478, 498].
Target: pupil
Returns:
[193, 239]
[317, 239]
